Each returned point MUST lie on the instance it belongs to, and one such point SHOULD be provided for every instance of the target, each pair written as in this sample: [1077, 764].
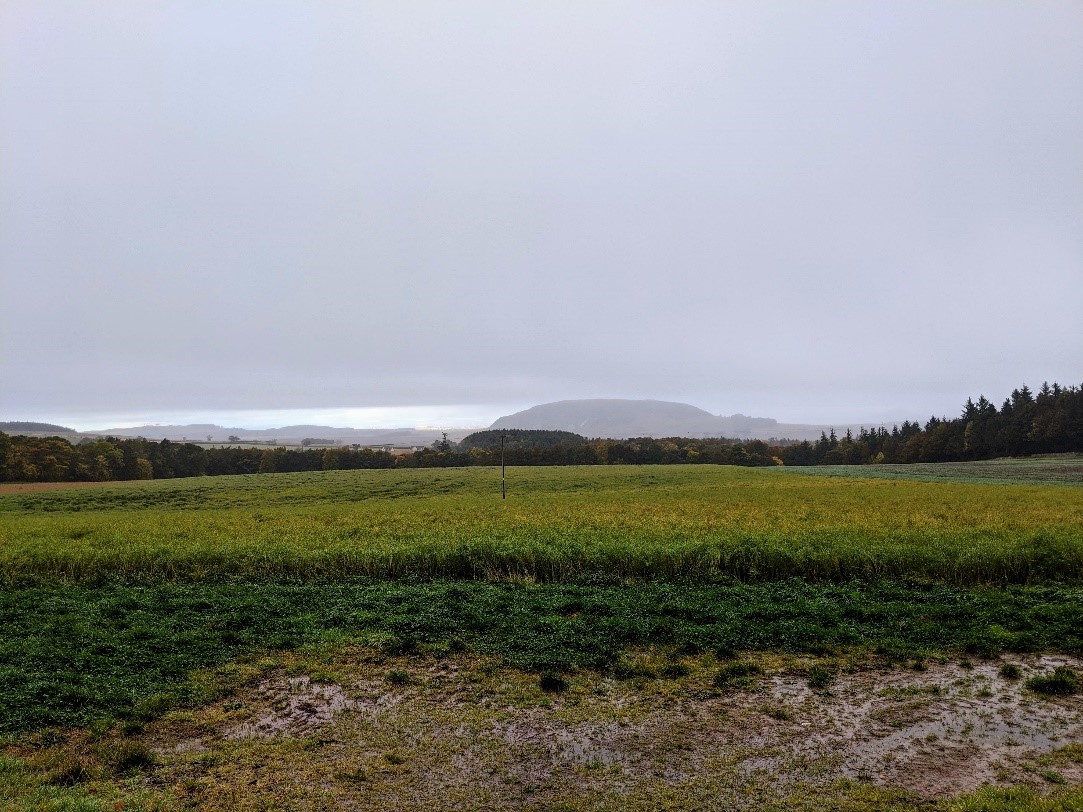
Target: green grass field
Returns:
[557, 524]
[121, 605]
[1064, 469]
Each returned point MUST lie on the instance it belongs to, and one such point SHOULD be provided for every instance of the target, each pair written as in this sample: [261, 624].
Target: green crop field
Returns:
[133, 610]
[558, 523]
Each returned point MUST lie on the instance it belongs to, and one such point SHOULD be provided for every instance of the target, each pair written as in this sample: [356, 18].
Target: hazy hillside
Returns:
[656, 418]
[630, 418]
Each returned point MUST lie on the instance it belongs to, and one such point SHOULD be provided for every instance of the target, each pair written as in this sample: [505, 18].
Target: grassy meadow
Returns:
[125, 608]
[557, 524]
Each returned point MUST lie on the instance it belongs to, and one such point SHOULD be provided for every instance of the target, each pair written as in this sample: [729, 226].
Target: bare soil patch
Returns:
[292, 707]
[37, 487]
[463, 734]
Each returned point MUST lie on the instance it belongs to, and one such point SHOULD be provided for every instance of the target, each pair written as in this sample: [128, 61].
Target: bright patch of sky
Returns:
[419, 417]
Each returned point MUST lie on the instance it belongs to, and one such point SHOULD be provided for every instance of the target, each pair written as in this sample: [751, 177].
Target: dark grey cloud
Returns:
[823, 211]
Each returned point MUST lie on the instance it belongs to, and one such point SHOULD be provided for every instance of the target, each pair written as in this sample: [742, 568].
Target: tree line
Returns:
[1049, 421]
[55, 459]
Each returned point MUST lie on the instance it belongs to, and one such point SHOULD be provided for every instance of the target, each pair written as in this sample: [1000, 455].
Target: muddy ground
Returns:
[366, 732]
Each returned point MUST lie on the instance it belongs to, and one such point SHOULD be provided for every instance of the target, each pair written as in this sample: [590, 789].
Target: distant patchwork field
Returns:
[1065, 469]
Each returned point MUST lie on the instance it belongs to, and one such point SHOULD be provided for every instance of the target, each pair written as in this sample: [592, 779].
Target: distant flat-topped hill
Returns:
[633, 418]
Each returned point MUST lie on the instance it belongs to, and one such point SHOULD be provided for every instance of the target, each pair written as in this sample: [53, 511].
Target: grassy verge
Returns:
[858, 798]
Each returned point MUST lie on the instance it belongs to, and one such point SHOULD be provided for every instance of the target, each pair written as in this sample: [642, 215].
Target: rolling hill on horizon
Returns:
[621, 418]
[596, 418]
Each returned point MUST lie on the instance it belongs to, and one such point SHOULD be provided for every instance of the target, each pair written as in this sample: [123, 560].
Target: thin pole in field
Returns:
[503, 483]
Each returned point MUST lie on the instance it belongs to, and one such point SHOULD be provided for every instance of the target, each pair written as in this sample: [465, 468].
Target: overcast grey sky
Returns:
[813, 211]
